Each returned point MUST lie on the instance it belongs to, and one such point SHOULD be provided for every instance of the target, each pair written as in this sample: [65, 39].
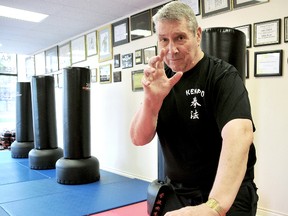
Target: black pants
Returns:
[245, 203]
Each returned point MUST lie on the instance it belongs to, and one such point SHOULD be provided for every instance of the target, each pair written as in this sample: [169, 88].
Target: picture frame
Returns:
[78, 50]
[136, 80]
[212, 7]
[65, 55]
[93, 75]
[246, 29]
[127, 60]
[268, 63]
[120, 32]
[148, 53]
[104, 43]
[141, 25]
[138, 57]
[51, 60]
[105, 75]
[267, 32]
[117, 62]
[286, 29]
[194, 4]
[91, 43]
[117, 76]
[244, 3]
[8, 63]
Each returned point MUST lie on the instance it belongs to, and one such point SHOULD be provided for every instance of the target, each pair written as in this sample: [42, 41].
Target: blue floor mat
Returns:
[36, 192]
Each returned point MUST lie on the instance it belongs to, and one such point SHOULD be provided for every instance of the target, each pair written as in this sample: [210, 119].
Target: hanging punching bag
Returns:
[24, 124]
[228, 44]
[77, 166]
[46, 151]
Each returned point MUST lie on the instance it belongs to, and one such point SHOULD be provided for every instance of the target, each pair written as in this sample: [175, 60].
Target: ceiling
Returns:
[67, 19]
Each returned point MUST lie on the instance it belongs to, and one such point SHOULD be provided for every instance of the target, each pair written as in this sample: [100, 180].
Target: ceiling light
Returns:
[21, 14]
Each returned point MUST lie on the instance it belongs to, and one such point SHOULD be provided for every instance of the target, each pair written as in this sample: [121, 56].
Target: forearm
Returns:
[143, 125]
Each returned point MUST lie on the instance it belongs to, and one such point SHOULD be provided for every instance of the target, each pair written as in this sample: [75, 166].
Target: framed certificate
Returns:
[51, 60]
[136, 77]
[65, 55]
[246, 29]
[194, 4]
[243, 3]
[120, 31]
[267, 33]
[212, 7]
[105, 73]
[268, 63]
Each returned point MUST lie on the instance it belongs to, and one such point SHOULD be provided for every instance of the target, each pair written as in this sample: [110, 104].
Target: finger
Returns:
[160, 63]
[174, 79]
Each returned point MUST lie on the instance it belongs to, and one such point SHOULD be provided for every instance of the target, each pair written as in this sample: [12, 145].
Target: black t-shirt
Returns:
[192, 117]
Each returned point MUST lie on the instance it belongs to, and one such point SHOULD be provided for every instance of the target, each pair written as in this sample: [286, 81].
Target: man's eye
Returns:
[180, 38]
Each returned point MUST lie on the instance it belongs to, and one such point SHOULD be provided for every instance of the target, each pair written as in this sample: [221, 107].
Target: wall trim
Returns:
[267, 212]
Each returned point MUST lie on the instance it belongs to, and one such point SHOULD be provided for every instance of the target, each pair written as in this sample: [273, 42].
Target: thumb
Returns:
[174, 79]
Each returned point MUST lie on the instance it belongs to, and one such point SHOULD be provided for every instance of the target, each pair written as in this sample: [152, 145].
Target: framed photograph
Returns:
[40, 63]
[51, 60]
[93, 75]
[138, 57]
[194, 4]
[285, 29]
[65, 55]
[267, 33]
[117, 62]
[148, 53]
[127, 60]
[141, 25]
[78, 49]
[105, 73]
[105, 44]
[136, 77]
[91, 44]
[246, 29]
[120, 31]
[117, 76]
[243, 3]
[212, 7]
[8, 63]
[268, 63]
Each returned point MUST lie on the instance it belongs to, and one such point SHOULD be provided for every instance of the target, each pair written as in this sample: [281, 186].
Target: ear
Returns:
[199, 34]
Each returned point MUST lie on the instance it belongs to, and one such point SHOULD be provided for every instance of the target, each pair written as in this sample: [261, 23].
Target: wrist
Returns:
[214, 204]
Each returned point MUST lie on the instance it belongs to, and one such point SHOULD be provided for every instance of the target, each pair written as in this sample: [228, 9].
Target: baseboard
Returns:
[267, 212]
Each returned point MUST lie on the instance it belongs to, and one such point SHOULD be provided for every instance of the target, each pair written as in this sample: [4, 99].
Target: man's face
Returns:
[183, 46]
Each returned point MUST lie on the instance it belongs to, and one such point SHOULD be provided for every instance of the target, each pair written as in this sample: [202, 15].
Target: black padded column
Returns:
[228, 44]
[77, 166]
[24, 123]
[46, 151]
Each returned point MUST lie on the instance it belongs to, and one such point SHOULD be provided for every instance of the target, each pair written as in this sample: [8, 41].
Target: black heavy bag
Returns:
[24, 123]
[77, 166]
[228, 44]
[46, 151]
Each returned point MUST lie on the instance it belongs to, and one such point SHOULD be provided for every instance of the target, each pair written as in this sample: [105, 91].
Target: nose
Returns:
[172, 48]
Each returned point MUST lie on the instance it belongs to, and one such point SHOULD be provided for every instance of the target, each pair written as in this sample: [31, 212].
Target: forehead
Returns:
[171, 26]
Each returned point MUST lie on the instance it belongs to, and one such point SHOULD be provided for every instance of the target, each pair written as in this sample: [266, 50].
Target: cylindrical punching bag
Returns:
[228, 44]
[24, 123]
[76, 113]
[77, 166]
[46, 151]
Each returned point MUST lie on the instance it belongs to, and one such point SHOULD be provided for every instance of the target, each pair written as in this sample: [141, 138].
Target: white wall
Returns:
[113, 105]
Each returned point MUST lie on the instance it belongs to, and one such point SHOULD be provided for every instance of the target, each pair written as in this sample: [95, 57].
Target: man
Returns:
[200, 110]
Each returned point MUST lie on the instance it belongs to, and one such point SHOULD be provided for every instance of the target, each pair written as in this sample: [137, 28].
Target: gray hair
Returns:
[177, 11]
